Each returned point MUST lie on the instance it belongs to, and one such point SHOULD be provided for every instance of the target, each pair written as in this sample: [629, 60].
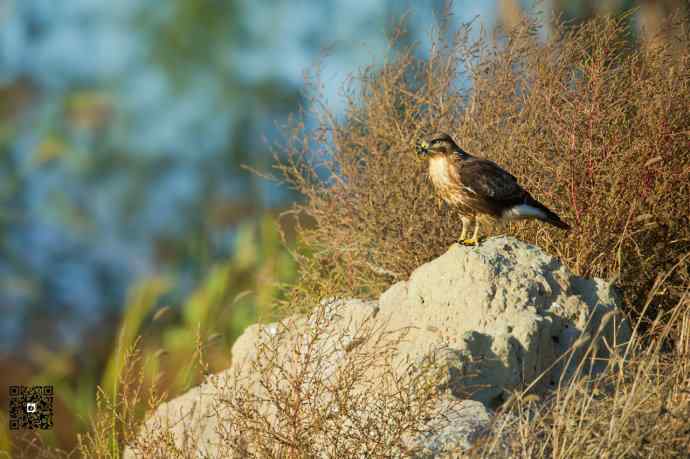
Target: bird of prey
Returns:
[478, 187]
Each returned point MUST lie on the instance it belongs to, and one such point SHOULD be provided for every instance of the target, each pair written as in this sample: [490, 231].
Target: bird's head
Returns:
[437, 145]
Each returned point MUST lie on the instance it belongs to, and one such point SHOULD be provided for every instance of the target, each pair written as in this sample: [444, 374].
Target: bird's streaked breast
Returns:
[445, 179]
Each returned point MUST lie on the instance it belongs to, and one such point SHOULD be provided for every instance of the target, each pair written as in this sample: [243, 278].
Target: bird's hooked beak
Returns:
[422, 149]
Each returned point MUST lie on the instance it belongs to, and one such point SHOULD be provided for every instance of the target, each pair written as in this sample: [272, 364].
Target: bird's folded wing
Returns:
[487, 180]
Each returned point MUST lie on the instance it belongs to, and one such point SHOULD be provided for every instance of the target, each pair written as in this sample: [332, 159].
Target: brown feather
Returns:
[479, 187]
[443, 172]
[493, 189]
[474, 185]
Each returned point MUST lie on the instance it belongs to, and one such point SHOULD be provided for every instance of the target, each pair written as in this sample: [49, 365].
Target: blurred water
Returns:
[85, 230]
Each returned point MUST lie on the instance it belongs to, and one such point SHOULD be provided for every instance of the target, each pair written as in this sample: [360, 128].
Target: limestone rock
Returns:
[509, 310]
[486, 320]
[464, 422]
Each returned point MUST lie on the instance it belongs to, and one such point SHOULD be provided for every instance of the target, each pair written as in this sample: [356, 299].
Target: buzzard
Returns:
[478, 187]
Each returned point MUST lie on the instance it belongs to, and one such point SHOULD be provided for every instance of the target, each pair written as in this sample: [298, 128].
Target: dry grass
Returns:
[120, 414]
[594, 126]
[310, 390]
[639, 407]
[329, 392]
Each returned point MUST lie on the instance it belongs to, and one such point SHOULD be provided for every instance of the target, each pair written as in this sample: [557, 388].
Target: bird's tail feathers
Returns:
[545, 214]
[531, 208]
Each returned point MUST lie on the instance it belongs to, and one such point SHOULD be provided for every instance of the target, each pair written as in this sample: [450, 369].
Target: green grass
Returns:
[173, 338]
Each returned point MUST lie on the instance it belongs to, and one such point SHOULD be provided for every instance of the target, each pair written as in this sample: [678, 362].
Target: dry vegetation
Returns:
[598, 129]
[339, 395]
[594, 126]
[638, 407]
[290, 402]
[309, 391]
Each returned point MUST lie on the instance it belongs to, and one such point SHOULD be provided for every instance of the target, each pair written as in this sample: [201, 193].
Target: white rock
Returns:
[491, 318]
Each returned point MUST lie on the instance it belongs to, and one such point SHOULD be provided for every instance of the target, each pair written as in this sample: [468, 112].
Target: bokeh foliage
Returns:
[174, 338]
[97, 190]
[99, 233]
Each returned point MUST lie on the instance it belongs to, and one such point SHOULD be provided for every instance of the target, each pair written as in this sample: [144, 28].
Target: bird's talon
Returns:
[471, 242]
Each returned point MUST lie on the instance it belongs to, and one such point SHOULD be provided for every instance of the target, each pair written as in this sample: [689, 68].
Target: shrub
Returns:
[341, 392]
[308, 388]
[593, 125]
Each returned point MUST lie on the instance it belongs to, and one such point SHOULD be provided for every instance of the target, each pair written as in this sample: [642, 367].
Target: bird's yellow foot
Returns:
[471, 242]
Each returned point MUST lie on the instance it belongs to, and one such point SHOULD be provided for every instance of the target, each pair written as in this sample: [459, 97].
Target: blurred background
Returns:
[124, 206]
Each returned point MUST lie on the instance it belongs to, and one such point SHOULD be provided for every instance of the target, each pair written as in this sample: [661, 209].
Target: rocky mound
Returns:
[488, 320]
